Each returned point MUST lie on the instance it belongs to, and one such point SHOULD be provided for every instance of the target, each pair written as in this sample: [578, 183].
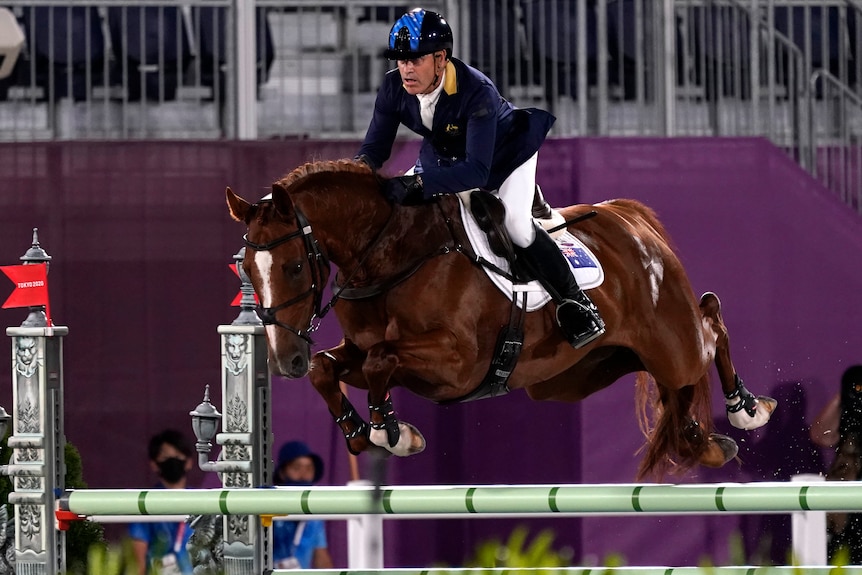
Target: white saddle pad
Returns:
[585, 266]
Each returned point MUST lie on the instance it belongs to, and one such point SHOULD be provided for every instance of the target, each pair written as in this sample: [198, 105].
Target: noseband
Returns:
[316, 261]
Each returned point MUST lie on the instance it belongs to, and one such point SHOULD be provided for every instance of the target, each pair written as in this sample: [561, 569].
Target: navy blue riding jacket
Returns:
[477, 139]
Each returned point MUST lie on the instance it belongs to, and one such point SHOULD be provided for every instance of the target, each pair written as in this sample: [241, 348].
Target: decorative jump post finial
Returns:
[36, 255]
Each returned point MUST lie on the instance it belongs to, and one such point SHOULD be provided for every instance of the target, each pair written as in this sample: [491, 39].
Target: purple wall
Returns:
[142, 241]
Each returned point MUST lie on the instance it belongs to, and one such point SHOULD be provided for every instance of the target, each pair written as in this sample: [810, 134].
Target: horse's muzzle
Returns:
[293, 364]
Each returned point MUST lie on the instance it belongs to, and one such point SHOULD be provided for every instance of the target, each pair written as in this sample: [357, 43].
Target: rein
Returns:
[318, 261]
[340, 289]
[357, 293]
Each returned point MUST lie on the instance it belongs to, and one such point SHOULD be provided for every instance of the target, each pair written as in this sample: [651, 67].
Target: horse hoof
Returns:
[719, 450]
[410, 441]
[767, 403]
[764, 408]
[417, 441]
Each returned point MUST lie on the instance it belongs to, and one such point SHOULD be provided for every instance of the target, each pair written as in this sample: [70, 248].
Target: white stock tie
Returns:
[428, 103]
[426, 110]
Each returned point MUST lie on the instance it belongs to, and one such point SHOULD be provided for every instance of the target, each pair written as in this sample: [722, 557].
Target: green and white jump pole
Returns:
[551, 500]
[400, 502]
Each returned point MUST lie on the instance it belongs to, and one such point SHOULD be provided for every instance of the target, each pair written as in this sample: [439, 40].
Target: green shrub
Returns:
[517, 553]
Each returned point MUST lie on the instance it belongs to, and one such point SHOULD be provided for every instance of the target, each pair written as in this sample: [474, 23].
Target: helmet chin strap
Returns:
[436, 81]
[433, 85]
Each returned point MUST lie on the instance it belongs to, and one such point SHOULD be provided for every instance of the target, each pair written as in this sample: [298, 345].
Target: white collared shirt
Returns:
[428, 103]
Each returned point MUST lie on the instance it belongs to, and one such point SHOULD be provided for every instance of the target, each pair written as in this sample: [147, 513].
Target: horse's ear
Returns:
[239, 208]
[281, 200]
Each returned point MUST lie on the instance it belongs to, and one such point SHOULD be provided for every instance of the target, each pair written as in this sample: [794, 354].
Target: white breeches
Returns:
[517, 193]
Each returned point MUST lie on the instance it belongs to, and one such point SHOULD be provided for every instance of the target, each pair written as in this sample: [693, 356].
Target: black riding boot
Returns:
[577, 315]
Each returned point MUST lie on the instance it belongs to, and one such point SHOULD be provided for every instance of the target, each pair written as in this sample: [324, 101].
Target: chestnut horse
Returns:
[417, 311]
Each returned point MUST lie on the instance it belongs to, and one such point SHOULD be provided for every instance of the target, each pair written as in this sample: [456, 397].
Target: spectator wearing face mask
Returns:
[161, 547]
[299, 544]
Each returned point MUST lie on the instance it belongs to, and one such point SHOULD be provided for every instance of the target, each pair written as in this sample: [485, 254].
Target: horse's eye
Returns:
[293, 270]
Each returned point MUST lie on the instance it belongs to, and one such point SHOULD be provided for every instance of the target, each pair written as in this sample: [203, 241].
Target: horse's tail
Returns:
[673, 442]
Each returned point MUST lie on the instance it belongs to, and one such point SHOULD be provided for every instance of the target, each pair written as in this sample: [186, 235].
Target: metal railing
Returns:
[742, 76]
[199, 69]
[115, 70]
[836, 131]
[160, 68]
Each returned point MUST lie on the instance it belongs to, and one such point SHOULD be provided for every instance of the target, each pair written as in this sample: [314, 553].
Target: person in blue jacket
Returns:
[299, 544]
[161, 547]
[472, 138]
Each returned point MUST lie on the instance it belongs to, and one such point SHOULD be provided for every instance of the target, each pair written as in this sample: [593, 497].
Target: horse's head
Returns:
[288, 273]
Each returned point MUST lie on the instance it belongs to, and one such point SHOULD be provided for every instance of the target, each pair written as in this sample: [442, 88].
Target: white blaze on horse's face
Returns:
[263, 265]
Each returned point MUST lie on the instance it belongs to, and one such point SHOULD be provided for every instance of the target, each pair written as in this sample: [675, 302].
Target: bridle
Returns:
[319, 265]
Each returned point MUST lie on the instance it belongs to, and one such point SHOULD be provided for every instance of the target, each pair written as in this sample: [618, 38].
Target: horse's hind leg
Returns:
[680, 437]
[744, 410]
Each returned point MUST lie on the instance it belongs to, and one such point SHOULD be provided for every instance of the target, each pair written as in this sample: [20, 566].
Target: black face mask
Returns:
[172, 469]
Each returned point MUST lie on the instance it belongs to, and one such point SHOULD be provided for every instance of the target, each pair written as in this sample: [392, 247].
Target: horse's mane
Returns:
[303, 172]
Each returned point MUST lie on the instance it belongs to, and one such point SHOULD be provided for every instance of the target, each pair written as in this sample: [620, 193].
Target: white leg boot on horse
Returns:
[398, 437]
[577, 315]
[744, 410]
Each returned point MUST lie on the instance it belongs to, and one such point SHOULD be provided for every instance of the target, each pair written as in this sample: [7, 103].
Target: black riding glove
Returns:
[365, 160]
[405, 190]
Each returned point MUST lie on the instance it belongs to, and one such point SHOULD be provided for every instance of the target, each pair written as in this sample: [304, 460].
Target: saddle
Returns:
[489, 213]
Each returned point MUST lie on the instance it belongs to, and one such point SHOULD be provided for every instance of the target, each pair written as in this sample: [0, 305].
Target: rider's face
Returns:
[421, 75]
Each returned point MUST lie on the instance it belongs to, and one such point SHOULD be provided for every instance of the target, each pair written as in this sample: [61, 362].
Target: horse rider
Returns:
[472, 138]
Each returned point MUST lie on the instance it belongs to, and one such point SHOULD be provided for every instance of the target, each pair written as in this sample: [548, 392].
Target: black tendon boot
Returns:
[577, 315]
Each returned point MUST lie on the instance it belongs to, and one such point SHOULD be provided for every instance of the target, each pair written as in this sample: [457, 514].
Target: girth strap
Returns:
[510, 341]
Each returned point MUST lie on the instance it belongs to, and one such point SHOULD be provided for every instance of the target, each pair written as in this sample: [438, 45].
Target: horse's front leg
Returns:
[327, 369]
[744, 410]
[398, 437]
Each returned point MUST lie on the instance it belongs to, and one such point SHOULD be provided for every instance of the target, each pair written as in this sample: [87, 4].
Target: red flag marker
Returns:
[236, 300]
[31, 286]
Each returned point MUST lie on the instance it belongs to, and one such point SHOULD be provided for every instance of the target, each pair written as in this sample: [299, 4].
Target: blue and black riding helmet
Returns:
[417, 33]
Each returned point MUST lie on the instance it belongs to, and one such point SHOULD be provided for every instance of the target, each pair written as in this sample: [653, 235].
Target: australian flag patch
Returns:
[575, 253]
